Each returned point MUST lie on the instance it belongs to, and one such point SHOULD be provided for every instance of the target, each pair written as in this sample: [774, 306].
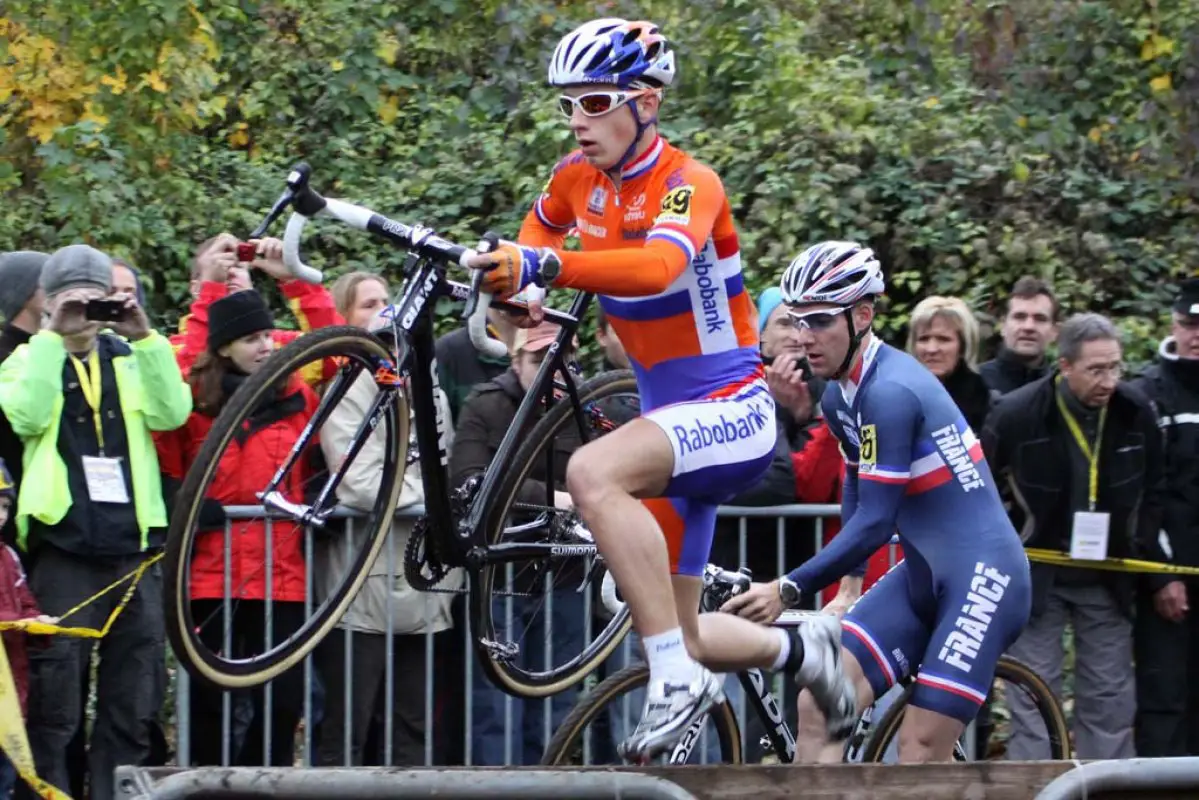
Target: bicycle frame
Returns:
[412, 330]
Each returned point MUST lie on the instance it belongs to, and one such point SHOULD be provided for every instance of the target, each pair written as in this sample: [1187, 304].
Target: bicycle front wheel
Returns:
[1018, 677]
[199, 623]
[536, 617]
[590, 733]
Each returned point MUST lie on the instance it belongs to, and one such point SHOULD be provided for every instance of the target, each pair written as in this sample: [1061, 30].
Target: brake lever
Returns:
[296, 179]
[492, 240]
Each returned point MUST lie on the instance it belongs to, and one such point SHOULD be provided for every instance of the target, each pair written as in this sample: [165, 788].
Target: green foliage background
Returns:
[969, 142]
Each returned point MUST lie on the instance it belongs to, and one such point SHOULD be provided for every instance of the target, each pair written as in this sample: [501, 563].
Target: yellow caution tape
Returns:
[13, 738]
[1109, 564]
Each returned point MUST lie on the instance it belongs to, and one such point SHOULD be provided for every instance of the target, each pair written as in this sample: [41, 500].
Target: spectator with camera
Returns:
[221, 267]
[90, 506]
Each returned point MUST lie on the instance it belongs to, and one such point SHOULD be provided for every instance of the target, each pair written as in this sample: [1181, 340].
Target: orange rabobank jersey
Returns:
[662, 255]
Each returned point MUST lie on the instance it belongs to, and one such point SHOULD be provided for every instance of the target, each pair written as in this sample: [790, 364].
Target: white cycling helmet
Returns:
[616, 51]
[832, 272]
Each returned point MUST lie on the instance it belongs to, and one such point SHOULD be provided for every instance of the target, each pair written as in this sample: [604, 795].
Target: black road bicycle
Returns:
[503, 526]
[586, 735]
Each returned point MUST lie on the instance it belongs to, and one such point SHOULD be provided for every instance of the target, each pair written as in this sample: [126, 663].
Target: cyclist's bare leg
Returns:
[812, 745]
[605, 479]
[721, 642]
[926, 736]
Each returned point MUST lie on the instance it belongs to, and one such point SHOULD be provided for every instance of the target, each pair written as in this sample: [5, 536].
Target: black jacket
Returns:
[1026, 442]
[10, 444]
[1172, 384]
[486, 416]
[969, 391]
[1007, 372]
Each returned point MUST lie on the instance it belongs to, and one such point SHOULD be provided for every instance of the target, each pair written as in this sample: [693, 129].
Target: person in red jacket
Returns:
[16, 603]
[216, 273]
[240, 339]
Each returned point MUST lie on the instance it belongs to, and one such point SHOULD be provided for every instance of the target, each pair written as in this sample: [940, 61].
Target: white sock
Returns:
[667, 653]
[784, 649]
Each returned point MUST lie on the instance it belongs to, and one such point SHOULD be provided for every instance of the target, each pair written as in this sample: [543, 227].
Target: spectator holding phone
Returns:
[90, 508]
[221, 267]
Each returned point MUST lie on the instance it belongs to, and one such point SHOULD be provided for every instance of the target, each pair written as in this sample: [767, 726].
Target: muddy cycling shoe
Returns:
[671, 706]
[823, 674]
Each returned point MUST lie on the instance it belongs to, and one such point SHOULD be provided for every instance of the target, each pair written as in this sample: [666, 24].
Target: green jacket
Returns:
[153, 396]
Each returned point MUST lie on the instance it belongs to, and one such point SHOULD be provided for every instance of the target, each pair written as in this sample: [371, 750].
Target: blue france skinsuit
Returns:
[961, 595]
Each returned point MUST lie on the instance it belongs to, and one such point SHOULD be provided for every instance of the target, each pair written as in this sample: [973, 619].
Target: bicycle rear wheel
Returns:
[590, 732]
[356, 355]
[1016, 675]
[525, 594]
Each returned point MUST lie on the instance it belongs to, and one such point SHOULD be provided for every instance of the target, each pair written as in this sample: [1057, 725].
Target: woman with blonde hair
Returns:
[943, 336]
[355, 655]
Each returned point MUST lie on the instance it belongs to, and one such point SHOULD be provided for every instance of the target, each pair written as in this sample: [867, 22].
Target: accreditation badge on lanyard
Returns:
[1089, 534]
[105, 478]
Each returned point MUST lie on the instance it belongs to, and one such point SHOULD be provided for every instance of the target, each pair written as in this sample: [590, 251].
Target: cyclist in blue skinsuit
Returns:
[961, 596]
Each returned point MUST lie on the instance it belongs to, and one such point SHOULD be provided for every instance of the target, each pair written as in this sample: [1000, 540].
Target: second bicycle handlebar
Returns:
[307, 203]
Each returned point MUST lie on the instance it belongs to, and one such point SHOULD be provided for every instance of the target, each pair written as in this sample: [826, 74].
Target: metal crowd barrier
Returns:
[478, 748]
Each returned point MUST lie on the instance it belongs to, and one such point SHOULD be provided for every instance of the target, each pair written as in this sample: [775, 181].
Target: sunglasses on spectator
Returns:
[816, 320]
[596, 104]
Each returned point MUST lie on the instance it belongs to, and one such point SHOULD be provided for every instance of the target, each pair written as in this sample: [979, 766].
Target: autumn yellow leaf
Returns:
[388, 110]
[337, 65]
[932, 102]
[116, 83]
[388, 47]
[154, 80]
[1022, 121]
[1161, 83]
[240, 137]
[1156, 45]
[1094, 135]
[93, 114]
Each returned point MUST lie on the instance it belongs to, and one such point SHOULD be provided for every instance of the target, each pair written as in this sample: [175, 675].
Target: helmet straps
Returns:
[642, 127]
[855, 342]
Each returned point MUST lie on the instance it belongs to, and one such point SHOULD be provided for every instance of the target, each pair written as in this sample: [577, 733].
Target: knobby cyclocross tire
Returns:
[507, 676]
[1008, 669]
[568, 739]
[352, 344]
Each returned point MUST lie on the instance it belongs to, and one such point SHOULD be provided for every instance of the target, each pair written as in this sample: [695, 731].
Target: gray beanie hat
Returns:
[76, 265]
[19, 273]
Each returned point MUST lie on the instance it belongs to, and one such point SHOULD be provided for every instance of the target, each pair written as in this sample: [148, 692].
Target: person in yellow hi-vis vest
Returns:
[90, 508]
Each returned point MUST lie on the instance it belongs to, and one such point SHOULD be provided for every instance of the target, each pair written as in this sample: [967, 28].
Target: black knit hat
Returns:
[1187, 301]
[237, 315]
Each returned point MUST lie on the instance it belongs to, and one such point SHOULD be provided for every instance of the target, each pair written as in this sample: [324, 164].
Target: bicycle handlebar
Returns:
[307, 203]
[719, 585]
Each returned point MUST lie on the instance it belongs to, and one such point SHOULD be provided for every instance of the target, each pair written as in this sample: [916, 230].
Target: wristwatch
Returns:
[549, 269]
[789, 592]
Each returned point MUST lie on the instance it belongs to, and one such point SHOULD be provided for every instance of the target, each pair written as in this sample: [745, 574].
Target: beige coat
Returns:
[412, 611]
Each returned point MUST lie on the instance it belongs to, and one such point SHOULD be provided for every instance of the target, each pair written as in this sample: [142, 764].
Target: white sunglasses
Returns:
[596, 104]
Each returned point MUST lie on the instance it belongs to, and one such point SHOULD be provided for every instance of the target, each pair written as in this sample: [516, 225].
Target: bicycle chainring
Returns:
[422, 569]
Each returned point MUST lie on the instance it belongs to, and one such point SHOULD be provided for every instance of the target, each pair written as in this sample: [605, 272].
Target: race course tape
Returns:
[1109, 564]
[13, 738]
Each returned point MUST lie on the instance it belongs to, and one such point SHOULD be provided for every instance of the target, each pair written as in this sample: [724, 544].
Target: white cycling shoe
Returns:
[671, 706]
[832, 690]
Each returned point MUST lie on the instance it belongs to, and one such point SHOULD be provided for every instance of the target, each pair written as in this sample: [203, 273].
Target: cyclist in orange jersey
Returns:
[660, 249]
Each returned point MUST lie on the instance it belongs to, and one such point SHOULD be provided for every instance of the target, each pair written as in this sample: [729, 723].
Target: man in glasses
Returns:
[960, 597]
[1083, 454]
[660, 248]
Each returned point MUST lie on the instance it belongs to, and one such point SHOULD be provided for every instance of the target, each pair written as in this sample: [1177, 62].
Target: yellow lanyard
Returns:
[89, 384]
[1092, 455]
